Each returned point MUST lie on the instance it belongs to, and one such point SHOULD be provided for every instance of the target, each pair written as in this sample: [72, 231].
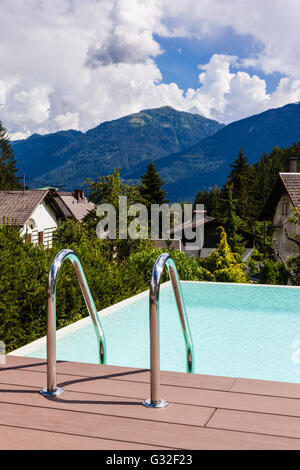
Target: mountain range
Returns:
[190, 151]
[70, 157]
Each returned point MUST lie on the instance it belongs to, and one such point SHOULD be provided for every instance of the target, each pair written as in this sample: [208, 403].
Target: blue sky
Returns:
[69, 64]
[181, 57]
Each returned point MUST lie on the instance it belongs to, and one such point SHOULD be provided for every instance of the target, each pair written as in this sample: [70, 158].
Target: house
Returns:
[39, 212]
[283, 199]
[75, 203]
[209, 236]
[36, 212]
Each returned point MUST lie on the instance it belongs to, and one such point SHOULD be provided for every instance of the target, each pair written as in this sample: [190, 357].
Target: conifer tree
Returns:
[239, 178]
[210, 200]
[8, 177]
[203, 197]
[224, 264]
[267, 170]
[230, 220]
[214, 201]
[151, 186]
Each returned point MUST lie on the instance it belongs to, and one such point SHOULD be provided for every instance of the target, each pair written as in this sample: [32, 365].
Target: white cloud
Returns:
[73, 64]
[275, 23]
[131, 36]
[227, 96]
[67, 121]
[2, 93]
[286, 88]
[215, 80]
[26, 108]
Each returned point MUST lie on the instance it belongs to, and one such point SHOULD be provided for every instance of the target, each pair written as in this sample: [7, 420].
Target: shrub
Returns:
[223, 265]
[143, 262]
[273, 273]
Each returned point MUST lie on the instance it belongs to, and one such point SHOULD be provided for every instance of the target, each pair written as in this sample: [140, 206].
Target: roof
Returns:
[285, 183]
[64, 208]
[78, 208]
[206, 221]
[292, 184]
[19, 205]
[193, 224]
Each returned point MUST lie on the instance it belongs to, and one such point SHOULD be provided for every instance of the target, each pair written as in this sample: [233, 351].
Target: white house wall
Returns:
[45, 221]
[286, 247]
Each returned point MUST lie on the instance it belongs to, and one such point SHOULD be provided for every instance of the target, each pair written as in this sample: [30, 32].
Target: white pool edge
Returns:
[41, 342]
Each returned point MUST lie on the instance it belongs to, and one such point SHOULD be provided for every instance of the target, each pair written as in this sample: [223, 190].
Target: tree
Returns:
[251, 185]
[8, 169]
[239, 178]
[210, 200]
[107, 190]
[223, 264]
[264, 174]
[230, 220]
[214, 201]
[151, 187]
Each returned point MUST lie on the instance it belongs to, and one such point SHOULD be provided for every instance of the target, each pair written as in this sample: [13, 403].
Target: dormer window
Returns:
[284, 206]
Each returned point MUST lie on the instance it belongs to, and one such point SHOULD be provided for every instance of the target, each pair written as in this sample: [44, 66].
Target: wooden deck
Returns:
[101, 409]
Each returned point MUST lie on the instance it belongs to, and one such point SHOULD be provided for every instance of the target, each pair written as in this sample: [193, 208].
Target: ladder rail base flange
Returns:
[54, 393]
[158, 404]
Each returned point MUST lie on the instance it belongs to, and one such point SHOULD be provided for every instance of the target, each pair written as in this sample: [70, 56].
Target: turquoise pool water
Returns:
[238, 331]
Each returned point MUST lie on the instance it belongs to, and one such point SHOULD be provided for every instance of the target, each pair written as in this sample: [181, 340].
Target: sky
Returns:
[72, 64]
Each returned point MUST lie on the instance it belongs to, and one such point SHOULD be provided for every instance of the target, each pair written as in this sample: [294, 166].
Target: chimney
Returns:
[82, 193]
[77, 194]
[292, 165]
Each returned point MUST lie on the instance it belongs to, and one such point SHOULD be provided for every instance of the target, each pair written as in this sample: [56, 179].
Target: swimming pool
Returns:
[250, 331]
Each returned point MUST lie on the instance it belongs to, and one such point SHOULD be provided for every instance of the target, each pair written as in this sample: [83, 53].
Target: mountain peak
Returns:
[190, 151]
[69, 158]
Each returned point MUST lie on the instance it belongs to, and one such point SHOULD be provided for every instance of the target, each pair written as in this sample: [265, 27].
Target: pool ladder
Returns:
[52, 389]
[163, 260]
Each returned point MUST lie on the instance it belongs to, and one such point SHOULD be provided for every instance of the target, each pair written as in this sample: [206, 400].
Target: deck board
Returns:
[140, 391]
[101, 409]
[209, 382]
[269, 388]
[107, 405]
[256, 422]
[18, 438]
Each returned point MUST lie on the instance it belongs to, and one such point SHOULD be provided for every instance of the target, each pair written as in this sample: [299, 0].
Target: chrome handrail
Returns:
[165, 259]
[52, 389]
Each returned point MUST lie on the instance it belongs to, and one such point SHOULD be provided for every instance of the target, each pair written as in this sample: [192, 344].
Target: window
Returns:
[284, 206]
[31, 224]
[40, 238]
